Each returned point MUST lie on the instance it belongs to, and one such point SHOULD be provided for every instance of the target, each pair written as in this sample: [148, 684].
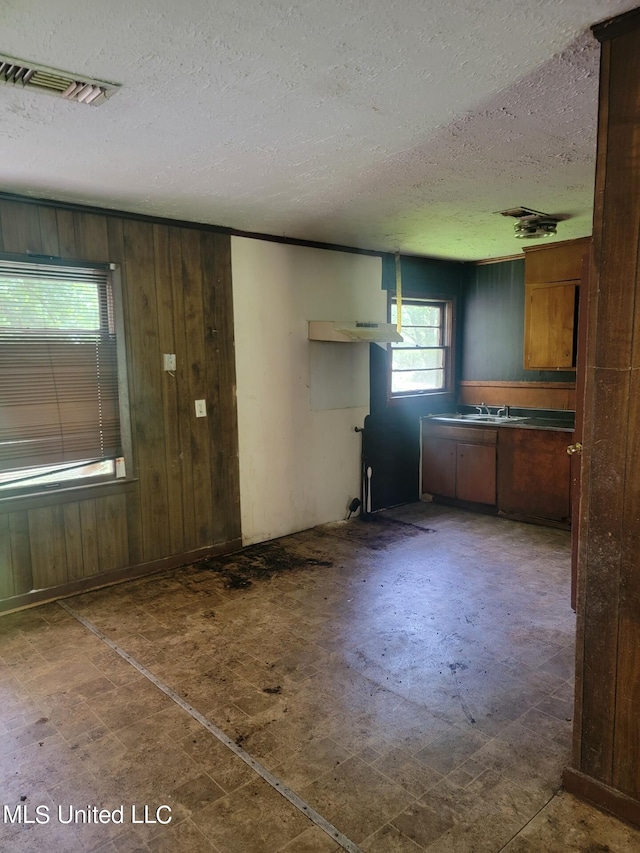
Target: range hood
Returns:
[353, 330]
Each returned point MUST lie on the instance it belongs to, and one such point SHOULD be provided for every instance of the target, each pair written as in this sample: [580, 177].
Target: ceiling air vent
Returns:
[62, 84]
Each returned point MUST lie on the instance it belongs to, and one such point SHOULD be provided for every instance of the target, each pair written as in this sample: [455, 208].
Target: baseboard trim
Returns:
[560, 524]
[601, 795]
[75, 587]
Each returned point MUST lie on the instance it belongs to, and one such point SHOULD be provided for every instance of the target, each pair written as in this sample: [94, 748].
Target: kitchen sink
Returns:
[492, 419]
[456, 418]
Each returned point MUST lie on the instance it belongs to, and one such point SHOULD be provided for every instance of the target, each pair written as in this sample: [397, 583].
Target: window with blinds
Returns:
[59, 409]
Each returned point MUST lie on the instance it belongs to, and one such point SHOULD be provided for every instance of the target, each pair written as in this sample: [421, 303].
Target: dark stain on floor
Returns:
[257, 562]
[376, 531]
[267, 559]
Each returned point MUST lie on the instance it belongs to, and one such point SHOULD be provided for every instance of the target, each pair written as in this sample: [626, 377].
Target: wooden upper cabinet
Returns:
[550, 312]
[552, 279]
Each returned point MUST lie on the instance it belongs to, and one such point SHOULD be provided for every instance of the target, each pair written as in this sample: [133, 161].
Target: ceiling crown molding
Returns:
[618, 26]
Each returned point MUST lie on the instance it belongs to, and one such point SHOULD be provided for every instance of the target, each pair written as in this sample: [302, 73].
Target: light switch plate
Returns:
[201, 408]
[169, 361]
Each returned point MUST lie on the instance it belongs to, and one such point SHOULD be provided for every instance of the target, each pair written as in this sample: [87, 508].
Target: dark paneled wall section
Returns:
[182, 496]
[392, 430]
[492, 335]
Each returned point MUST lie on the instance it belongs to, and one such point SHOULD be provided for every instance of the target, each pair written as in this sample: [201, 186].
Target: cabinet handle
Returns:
[574, 448]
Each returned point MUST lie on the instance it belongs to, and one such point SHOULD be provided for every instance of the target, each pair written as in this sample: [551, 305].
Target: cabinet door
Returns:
[555, 262]
[439, 466]
[549, 325]
[476, 473]
[534, 478]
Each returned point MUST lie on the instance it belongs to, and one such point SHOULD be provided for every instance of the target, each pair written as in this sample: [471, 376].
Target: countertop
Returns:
[521, 419]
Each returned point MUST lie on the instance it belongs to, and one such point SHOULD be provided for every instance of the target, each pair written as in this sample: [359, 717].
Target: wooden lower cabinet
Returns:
[439, 466]
[476, 473]
[534, 474]
[526, 473]
[459, 463]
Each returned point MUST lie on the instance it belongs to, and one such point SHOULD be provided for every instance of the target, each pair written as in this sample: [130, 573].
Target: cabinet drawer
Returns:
[477, 435]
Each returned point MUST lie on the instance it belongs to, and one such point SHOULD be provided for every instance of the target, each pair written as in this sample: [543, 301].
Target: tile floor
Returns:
[409, 678]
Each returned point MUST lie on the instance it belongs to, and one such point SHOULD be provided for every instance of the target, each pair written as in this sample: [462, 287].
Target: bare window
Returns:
[421, 363]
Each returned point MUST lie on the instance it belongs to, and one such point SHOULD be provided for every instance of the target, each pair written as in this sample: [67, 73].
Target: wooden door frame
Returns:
[606, 758]
[576, 458]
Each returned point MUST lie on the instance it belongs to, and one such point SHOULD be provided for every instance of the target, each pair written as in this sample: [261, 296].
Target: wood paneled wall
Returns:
[606, 762]
[523, 395]
[183, 499]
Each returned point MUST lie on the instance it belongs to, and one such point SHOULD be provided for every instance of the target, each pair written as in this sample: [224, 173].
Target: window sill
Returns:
[438, 396]
[67, 494]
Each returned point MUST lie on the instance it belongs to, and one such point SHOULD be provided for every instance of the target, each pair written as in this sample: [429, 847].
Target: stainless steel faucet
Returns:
[485, 407]
[503, 411]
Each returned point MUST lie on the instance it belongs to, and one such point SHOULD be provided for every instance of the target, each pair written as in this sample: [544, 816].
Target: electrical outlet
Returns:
[169, 361]
[201, 408]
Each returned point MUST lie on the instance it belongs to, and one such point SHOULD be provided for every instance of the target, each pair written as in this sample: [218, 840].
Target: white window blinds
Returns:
[58, 366]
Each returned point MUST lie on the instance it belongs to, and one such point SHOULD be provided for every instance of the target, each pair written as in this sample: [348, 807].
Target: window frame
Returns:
[122, 464]
[448, 346]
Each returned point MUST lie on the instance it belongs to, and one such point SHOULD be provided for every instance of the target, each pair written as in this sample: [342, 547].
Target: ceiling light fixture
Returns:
[62, 84]
[531, 224]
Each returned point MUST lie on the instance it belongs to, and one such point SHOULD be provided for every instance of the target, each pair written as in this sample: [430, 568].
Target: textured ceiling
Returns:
[396, 125]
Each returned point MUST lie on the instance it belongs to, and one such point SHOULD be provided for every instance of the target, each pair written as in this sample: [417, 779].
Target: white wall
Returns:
[299, 400]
